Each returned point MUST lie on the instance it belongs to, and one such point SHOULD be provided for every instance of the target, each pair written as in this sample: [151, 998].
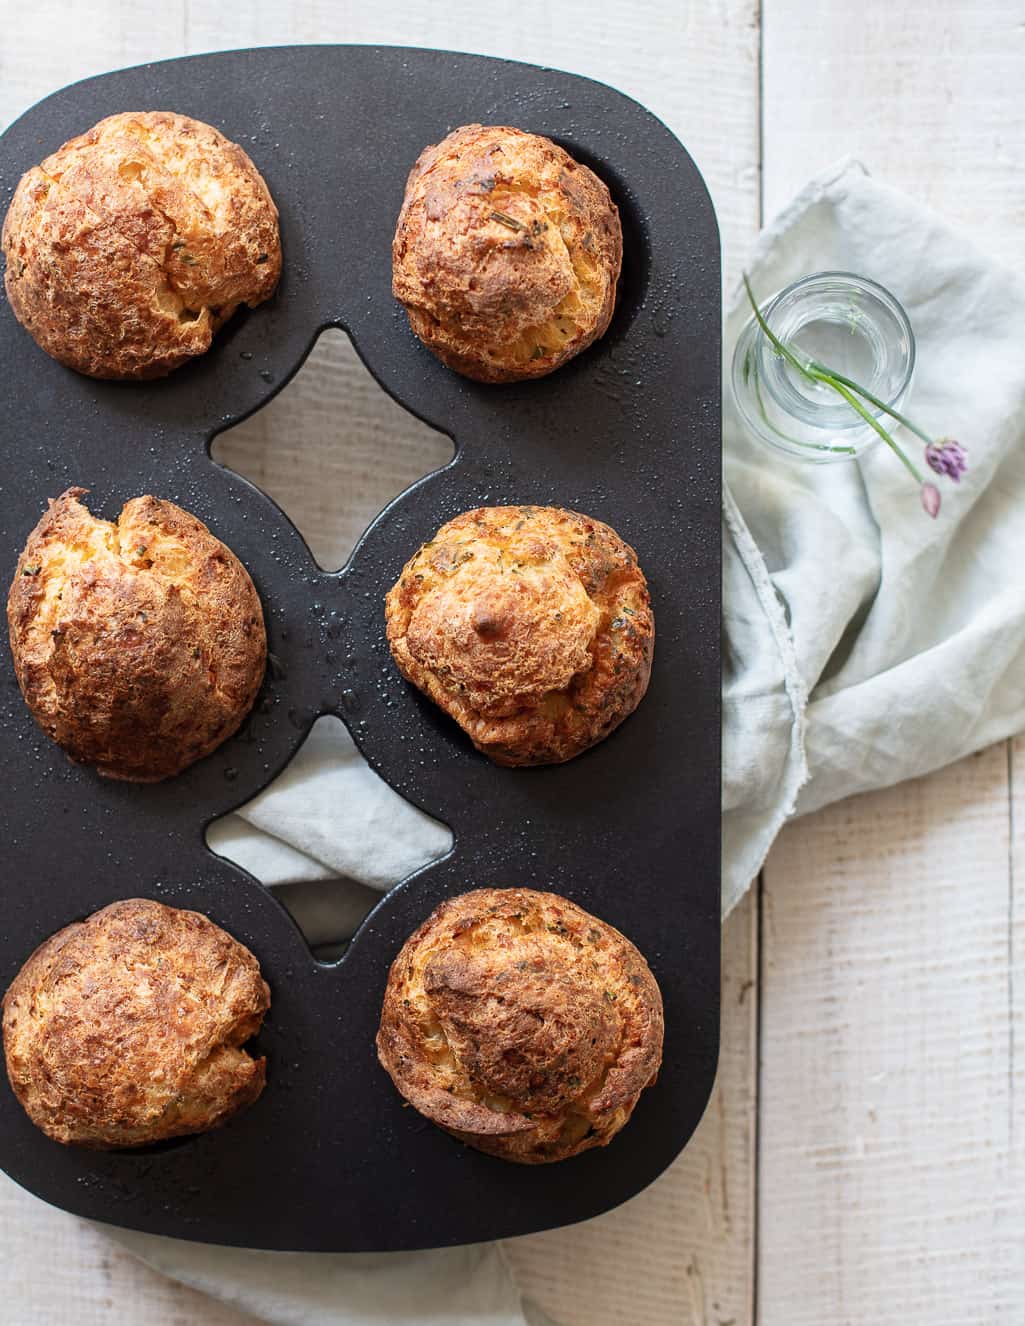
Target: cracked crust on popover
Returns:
[139, 645]
[530, 626]
[128, 247]
[127, 1028]
[522, 1024]
[506, 254]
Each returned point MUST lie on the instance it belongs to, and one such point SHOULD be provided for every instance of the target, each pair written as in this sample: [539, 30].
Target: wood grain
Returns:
[928, 93]
[889, 1183]
[1015, 959]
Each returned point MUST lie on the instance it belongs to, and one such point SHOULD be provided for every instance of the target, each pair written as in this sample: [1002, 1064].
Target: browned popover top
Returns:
[531, 626]
[126, 1028]
[521, 1023]
[130, 245]
[506, 254]
[139, 646]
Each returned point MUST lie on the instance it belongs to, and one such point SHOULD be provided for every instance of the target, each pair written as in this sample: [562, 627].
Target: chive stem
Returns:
[872, 400]
[815, 372]
[794, 441]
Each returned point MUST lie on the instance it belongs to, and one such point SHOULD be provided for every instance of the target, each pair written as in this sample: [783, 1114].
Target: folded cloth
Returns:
[469, 1286]
[864, 643]
[329, 814]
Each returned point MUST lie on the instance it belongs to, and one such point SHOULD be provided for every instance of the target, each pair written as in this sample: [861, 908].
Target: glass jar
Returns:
[847, 323]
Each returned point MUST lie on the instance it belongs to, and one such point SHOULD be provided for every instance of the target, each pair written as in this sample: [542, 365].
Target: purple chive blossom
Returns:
[931, 499]
[947, 457]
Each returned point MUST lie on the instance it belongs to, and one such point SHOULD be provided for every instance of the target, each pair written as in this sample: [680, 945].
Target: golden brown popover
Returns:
[132, 244]
[506, 254]
[139, 646]
[127, 1028]
[522, 1024]
[530, 625]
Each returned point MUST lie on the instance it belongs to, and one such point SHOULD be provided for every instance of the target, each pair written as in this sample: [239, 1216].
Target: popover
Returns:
[127, 1028]
[138, 645]
[521, 1024]
[132, 244]
[506, 254]
[530, 626]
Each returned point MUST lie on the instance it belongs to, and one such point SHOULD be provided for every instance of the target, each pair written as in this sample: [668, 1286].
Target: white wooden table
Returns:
[863, 1156]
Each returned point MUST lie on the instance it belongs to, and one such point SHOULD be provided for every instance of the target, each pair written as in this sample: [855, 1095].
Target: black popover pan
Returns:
[329, 1159]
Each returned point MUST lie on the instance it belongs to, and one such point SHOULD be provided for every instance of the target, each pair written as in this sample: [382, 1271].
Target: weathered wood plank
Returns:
[927, 94]
[886, 1186]
[890, 1173]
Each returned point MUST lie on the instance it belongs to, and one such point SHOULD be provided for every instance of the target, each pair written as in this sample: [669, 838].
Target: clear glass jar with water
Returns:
[849, 324]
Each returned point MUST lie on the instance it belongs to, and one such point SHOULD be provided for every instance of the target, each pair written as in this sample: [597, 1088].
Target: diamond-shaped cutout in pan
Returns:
[332, 449]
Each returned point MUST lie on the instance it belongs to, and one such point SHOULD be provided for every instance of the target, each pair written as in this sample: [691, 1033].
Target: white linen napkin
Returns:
[864, 644]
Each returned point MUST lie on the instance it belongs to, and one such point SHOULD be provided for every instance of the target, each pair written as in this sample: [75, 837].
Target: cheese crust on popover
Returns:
[521, 1024]
[129, 246]
[530, 626]
[506, 254]
[127, 1028]
[139, 645]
